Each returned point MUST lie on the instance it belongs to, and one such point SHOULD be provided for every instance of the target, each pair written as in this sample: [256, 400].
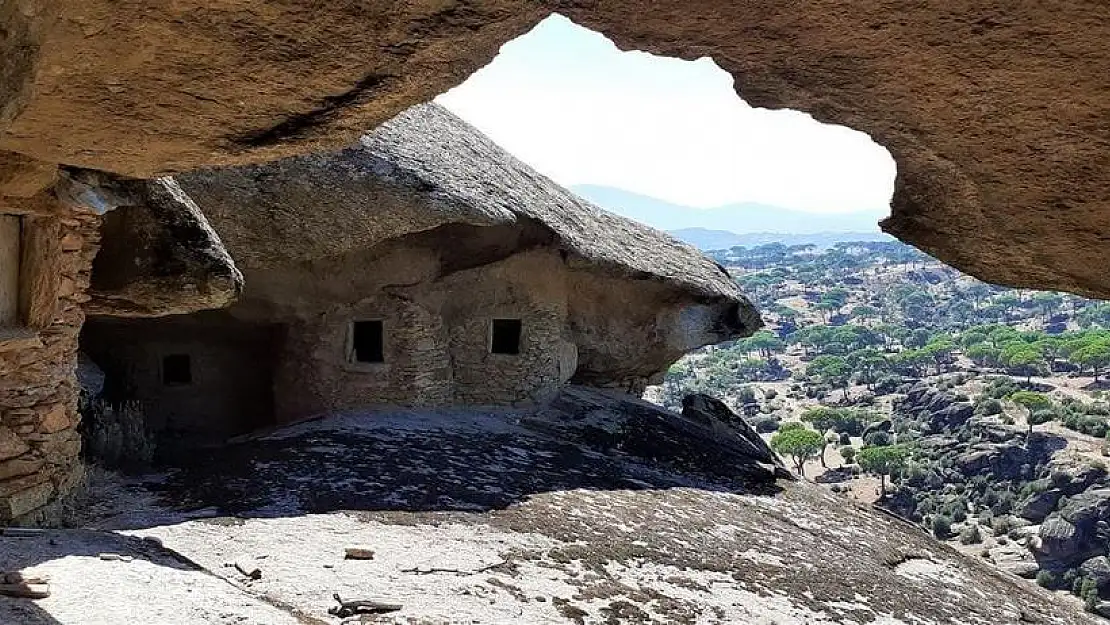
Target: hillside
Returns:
[707, 240]
[745, 217]
[979, 412]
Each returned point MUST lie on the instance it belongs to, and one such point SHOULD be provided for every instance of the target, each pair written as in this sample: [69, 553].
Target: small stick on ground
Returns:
[350, 608]
[419, 571]
[25, 590]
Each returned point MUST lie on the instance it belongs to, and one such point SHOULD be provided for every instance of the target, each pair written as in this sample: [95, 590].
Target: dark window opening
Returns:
[505, 336]
[367, 341]
[177, 370]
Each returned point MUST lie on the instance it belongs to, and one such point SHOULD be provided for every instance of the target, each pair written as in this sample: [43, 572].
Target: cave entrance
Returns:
[668, 142]
[175, 383]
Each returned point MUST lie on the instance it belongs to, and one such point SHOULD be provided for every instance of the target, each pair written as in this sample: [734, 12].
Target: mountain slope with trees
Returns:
[977, 411]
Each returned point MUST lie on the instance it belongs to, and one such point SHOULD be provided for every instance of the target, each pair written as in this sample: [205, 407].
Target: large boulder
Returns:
[1038, 506]
[706, 439]
[1009, 460]
[1079, 529]
[879, 426]
[1097, 569]
[158, 255]
[1059, 540]
[951, 416]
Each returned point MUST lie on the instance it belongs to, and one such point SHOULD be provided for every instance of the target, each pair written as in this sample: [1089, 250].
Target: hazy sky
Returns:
[568, 102]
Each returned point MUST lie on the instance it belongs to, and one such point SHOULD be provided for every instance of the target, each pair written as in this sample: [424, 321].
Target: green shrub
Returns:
[791, 425]
[1043, 415]
[971, 535]
[1001, 525]
[987, 407]
[1045, 579]
[848, 453]
[1089, 594]
[941, 526]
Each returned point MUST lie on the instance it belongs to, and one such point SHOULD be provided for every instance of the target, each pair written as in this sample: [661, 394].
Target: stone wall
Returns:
[314, 374]
[437, 328]
[531, 287]
[436, 346]
[39, 444]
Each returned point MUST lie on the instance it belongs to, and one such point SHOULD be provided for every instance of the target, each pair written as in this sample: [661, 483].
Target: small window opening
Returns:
[505, 337]
[177, 370]
[367, 341]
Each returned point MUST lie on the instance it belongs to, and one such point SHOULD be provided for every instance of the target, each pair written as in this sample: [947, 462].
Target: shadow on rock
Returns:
[474, 460]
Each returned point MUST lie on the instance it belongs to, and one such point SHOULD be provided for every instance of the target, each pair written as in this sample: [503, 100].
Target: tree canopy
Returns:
[800, 444]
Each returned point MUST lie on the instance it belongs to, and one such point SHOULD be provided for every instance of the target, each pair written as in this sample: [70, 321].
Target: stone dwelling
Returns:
[47, 247]
[424, 266]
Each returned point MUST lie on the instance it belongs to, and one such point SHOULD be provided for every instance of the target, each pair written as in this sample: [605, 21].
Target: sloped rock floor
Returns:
[475, 517]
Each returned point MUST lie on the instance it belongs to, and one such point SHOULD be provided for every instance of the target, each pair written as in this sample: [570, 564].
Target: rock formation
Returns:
[993, 114]
[425, 235]
[160, 257]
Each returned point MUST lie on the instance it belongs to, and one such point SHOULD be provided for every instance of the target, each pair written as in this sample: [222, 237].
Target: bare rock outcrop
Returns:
[160, 257]
[427, 200]
[995, 114]
[491, 517]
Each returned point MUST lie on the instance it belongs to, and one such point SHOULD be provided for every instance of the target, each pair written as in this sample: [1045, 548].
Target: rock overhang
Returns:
[994, 115]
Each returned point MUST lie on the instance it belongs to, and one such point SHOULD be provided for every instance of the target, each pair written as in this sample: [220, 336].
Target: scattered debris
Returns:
[248, 569]
[358, 553]
[18, 585]
[347, 609]
[116, 556]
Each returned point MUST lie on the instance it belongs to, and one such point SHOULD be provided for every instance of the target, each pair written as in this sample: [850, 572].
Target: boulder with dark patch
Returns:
[1038, 506]
[707, 439]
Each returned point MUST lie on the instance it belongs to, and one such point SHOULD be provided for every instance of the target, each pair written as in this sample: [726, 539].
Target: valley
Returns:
[977, 412]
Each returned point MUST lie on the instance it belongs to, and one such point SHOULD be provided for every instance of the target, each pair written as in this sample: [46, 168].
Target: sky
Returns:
[566, 101]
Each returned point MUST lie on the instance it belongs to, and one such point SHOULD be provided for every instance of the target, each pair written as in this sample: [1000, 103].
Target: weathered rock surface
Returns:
[1039, 505]
[994, 115]
[159, 257]
[706, 439]
[939, 410]
[482, 516]
[1079, 529]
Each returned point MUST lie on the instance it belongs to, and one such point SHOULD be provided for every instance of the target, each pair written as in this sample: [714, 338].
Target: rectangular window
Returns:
[177, 370]
[9, 270]
[505, 336]
[367, 341]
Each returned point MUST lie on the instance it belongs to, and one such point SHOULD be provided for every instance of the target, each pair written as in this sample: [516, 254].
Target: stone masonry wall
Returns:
[314, 375]
[436, 342]
[39, 444]
[530, 286]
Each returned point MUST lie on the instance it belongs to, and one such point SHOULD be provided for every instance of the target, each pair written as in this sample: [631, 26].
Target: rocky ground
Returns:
[504, 517]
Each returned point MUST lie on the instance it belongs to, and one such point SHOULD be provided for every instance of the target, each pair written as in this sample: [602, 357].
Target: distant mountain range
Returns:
[711, 226]
[704, 239]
